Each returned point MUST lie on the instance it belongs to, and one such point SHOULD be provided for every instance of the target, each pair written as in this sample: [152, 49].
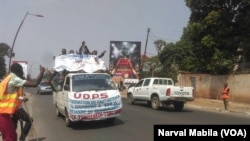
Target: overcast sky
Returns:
[66, 23]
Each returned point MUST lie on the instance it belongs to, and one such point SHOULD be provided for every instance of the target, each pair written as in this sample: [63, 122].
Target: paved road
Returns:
[203, 104]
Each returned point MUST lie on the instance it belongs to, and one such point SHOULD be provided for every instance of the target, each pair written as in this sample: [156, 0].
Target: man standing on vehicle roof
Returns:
[99, 56]
[64, 51]
[84, 49]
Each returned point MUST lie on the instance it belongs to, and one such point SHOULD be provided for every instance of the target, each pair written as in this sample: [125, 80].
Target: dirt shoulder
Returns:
[218, 105]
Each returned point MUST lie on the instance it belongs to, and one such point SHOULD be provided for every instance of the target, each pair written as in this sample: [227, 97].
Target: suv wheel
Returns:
[58, 114]
[178, 106]
[155, 103]
[131, 99]
[39, 92]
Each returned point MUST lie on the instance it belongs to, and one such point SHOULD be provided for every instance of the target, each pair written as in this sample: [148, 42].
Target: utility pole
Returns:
[13, 44]
[143, 59]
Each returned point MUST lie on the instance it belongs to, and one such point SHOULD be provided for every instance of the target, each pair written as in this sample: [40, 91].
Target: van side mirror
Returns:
[66, 87]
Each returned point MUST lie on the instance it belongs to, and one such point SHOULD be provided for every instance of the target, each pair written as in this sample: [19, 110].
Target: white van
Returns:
[88, 97]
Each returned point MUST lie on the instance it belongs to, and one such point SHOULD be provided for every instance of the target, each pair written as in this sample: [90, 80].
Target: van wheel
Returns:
[67, 120]
[58, 114]
[131, 99]
[110, 120]
[155, 103]
[178, 106]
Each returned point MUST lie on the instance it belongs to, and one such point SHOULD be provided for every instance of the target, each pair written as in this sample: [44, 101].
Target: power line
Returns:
[156, 37]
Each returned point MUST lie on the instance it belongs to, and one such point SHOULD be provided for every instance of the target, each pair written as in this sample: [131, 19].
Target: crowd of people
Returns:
[83, 50]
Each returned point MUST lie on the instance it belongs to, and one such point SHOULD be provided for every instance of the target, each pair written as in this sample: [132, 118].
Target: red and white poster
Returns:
[125, 61]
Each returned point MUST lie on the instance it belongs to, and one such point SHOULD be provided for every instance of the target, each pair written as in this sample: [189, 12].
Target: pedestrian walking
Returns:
[225, 96]
[11, 89]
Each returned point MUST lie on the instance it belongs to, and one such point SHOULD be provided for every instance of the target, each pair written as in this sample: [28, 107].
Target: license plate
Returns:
[181, 93]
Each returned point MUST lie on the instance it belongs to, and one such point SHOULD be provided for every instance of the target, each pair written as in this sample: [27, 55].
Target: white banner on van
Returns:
[75, 62]
[94, 105]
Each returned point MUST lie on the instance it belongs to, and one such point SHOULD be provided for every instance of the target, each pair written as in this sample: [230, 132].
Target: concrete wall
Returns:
[210, 86]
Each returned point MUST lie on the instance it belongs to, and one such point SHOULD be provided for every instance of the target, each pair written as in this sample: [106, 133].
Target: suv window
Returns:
[162, 82]
[156, 81]
[146, 82]
[139, 84]
[170, 82]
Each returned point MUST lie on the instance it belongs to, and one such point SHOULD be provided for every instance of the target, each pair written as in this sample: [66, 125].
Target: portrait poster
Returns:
[125, 60]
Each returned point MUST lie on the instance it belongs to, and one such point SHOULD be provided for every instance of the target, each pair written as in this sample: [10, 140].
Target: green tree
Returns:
[4, 51]
[216, 30]
[156, 65]
[160, 44]
[171, 57]
[209, 44]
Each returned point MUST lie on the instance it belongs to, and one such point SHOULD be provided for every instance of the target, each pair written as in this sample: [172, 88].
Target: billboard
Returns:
[124, 61]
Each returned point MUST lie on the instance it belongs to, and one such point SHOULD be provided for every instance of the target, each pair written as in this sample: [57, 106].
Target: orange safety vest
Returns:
[8, 101]
[225, 94]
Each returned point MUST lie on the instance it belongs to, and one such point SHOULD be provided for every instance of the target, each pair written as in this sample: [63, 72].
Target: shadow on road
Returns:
[85, 125]
[169, 108]
[38, 139]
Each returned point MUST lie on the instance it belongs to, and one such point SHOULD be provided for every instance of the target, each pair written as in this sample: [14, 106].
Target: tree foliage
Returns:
[209, 44]
[2, 67]
[4, 51]
[154, 67]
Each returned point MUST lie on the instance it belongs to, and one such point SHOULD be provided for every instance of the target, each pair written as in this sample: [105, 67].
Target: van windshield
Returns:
[86, 82]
